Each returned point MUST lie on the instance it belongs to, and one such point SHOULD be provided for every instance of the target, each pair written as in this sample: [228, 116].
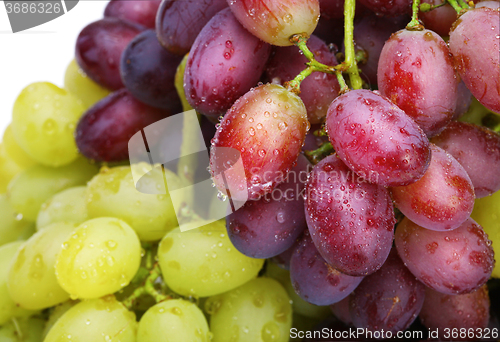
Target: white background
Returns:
[41, 53]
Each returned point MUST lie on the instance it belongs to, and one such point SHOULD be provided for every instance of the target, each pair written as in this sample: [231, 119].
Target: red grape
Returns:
[415, 72]
[99, 47]
[267, 126]
[376, 139]
[439, 19]
[141, 12]
[453, 262]
[442, 199]
[388, 8]
[224, 63]
[276, 21]
[474, 43]
[351, 221]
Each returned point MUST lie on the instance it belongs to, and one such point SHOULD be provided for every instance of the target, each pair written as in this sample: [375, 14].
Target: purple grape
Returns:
[224, 63]
[179, 22]
[389, 299]
[453, 262]
[342, 311]
[105, 129]
[376, 139]
[388, 8]
[415, 71]
[99, 47]
[463, 102]
[331, 9]
[331, 31]
[283, 259]
[474, 43]
[477, 149]
[466, 311]
[442, 199]
[318, 90]
[148, 72]
[267, 227]
[314, 279]
[351, 221]
[142, 12]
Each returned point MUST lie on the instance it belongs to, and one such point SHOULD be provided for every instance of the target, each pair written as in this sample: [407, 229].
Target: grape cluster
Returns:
[369, 194]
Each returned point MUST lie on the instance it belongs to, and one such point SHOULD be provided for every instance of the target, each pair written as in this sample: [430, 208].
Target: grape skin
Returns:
[12, 226]
[224, 62]
[477, 30]
[388, 8]
[275, 22]
[65, 206]
[452, 262]
[376, 139]
[8, 169]
[350, 220]
[141, 12]
[415, 71]
[442, 199]
[15, 151]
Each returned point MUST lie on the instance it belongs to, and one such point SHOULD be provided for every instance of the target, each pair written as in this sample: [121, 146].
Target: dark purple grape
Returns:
[474, 43]
[283, 259]
[224, 63]
[453, 262]
[376, 139]
[148, 72]
[99, 47]
[139, 11]
[318, 90]
[388, 8]
[269, 226]
[463, 102]
[351, 221]
[477, 149]
[442, 199]
[179, 22]
[314, 279]
[331, 9]
[439, 19]
[105, 129]
[389, 299]
[342, 310]
[469, 311]
[331, 31]
[415, 71]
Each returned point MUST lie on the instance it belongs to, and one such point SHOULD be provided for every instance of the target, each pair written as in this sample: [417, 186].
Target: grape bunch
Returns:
[367, 136]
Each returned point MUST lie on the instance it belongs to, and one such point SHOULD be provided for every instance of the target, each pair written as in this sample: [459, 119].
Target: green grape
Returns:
[35, 185]
[8, 169]
[15, 151]
[180, 320]
[8, 307]
[179, 83]
[258, 311]
[32, 280]
[487, 213]
[80, 85]
[67, 205]
[23, 330]
[57, 313]
[112, 193]
[299, 305]
[12, 226]
[43, 123]
[101, 257]
[95, 320]
[203, 262]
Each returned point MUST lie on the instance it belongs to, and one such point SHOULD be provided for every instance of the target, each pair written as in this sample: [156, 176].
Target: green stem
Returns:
[294, 85]
[317, 155]
[343, 85]
[147, 288]
[426, 7]
[455, 6]
[463, 4]
[414, 24]
[350, 54]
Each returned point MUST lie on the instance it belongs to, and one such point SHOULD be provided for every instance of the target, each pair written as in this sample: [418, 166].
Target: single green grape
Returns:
[57, 312]
[80, 85]
[178, 319]
[113, 193]
[99, 258]
[44, 119]
[15, 151]
[67, 205]
[32, 279]
[179, 83]
[258, 311]
[23, 330]
[12, 226]
[35, 185]
[487, 213]
[203, 262]
[95, 320]
[8, 307]
[8, 169]
[299, 305]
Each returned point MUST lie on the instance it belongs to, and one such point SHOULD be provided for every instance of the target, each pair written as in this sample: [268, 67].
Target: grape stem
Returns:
[350, 54]
[414, 24]
[426, 7]
[147, 288]
[455, 6]
[317, 155]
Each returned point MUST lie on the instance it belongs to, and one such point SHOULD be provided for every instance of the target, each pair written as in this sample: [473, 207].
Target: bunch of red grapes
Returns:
[374, 219]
